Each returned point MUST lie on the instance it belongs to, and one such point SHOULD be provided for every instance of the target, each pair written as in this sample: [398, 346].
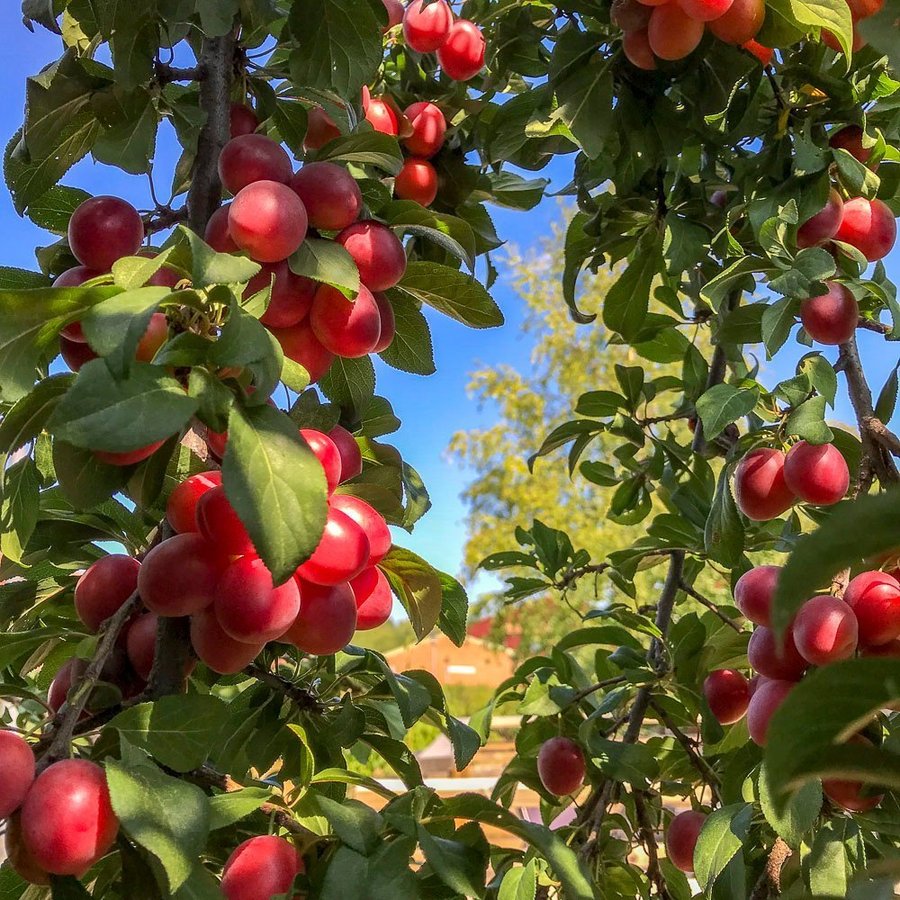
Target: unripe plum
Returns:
[830, 318]
[381, 116]
[705, 10]
[388, 322]
[217, 234]
[824, 224]
[327, 618]
[181, 510]
[637, 50]
[825, 631]
[740, 23]
[103, 230]
[426, 28]
[672, 33]
[320, 129]
[104, 587]
[874, 598]
[128, 457]
[327, 453]
[155, 336]
[817, 473]
[178, 577]
[681, 839]
[351, 455]
[291, 297]
[754, 591]
[348, 328]
[374, 600]
[561, 766]
[260, 868]
[462, 54]
[267, 219]
[417, 181]
[429, 129]
[220, 524]
[69, 672]
[395, 13]
[250, 607]
[75, 353]
[868, 225]
[243, 120]
[342, 553]
[19, 856]
[765, 700]
[370, 520]
[251, 158]
[215, 649]
[68, 821]
[377, 252]
[17, 767]
[629, 15]
[300, 344]
[330, 194]
[849, 138]
[780, 661]
[727, 692]
[760, 489]
[852, 796]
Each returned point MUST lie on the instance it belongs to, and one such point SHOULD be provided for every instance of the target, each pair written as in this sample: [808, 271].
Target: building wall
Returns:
[475, 663]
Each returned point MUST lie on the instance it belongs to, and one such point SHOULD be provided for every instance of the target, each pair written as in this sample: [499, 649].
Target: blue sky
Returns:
[432, 409]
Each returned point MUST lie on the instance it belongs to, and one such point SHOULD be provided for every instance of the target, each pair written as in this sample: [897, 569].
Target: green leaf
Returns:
[519, 883]
[836, 855]
[166, 816]
[723, 534]
[854, 530]
[18, 508]
[26, 419]
[827, 14]
[291, 119]
[417, 585]
[247, 343]
[337, 45]
[451, 292]
[176, 731]
[356, 824]
[217, 16]
[777, 322]
[821, 375]
[386, 874]
[722, 838]
[29, 322]
[629, 763]
[454, 609]
[350, 383]
[276, 485]
[795, 821]
[887, 398]
[411, 349]
[449, 232]
[129, 140]
[83, 479]
[53, 209]
[626, 303]
[367, 148]
[857, 177]
[806, 738]
[101, 412]
[205, 265]
[723, 404]
[328, 262]
[226, 809]
[458, 865]
[807, 421]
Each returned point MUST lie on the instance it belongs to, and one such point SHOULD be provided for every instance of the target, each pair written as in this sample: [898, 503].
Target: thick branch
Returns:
[162, 218]
[205, 195]
[62, 728]
[165, 74]
[648, 839]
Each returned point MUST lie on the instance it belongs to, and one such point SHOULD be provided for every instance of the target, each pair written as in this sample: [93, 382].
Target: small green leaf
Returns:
[226, 809]
[451, 292]
[366, 148]
[807, 421]
[723, 404]
[356, 824]
[458, 865]
[411, 350]
[417, 585]
[626, 303]
[350, 383]
[802, 812]
[328, 262]
[721, 840]
[723, 534]
[519, 883]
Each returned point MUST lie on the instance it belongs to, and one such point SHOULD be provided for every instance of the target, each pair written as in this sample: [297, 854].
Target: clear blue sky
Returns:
[432, 409]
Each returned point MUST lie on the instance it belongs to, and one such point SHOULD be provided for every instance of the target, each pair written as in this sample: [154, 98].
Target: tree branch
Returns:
[205, 195]
[166, 74]
[705, 601]
[648, 839]
[303, 698]
[769, 884]
[163, 218]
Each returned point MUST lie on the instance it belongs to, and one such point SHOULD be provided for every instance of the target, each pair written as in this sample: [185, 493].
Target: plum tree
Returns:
[104, 588]
[388, 322]
[242, 120]
[760, 488]
[869, 226]
[681, 838]
[320, 130]
[330, 195]
[220, 525]
[327, 618]
[380, 115]
[17, 768]
[181, 508]
[128, 457]
[850, 138]
[395, 13]
[740, 23]
[104, 229]
[850, 795]
[216, 649]
[824, 224]
[263, 866]
[374, 600]
[217, 234]
[291, 295]
[825, 631]
[377, 252]
[251, 158]
[830, 318]
[753, 593]
[268, 220]
[429, 129]
[347, 328]
[417, 181]
[705, 10]
[370, 520]
[426, 28]
[300, 344]
[462, 54]
[629, 15]
[341, 554]
[327, 453]
[561, 766]
[140, 644]
[68, 821]
[816, 473]
[874, 598]
[19, 856]
[771, 658]
[179, 576]
[348, 449]
[766, 699]
[727, 692]
[672, 33]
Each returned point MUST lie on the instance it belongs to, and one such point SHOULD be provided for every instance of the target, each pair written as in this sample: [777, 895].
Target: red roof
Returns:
[482, 631]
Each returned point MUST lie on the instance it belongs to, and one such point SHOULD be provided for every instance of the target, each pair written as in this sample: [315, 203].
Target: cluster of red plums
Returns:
[672, 29]
[768, 482]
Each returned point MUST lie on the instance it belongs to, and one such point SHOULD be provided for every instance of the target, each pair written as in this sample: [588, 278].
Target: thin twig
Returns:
[878, 327]
[648, 839]
[599, 686]
[303, 698]
[705, 601]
